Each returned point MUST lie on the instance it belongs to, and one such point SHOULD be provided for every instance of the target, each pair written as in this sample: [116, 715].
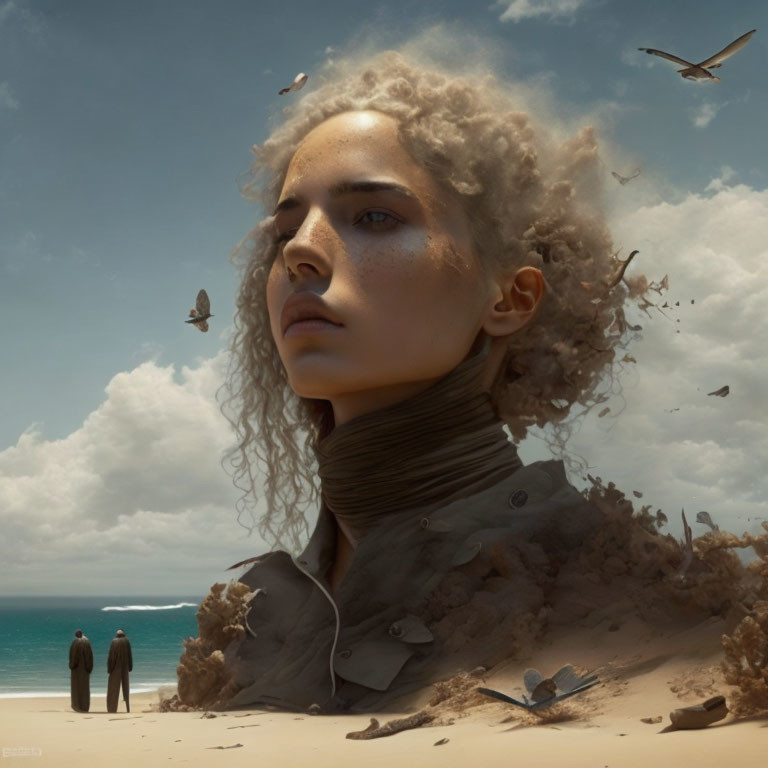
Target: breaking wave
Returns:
[148, 607]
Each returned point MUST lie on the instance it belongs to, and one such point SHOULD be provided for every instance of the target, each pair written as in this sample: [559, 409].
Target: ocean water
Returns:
[36, 632]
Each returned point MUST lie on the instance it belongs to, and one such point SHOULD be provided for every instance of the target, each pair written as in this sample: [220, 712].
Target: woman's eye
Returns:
[379, 219]
[375, 220]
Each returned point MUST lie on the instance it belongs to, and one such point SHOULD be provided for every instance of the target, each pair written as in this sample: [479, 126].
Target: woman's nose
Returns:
[311, 247]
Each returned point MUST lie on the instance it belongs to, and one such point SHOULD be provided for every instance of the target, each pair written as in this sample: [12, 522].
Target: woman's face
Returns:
[368, 231]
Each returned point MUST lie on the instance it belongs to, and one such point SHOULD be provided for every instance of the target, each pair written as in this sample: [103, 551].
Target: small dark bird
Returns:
[625, 179]
[546, 691]
[201, 311]
[701, 71]
[722, 392]
[297, 84]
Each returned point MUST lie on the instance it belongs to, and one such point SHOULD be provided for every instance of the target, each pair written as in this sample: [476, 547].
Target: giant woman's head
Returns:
[423, 210]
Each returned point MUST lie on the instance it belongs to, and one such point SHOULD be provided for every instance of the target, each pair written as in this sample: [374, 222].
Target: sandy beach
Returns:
[645, 672]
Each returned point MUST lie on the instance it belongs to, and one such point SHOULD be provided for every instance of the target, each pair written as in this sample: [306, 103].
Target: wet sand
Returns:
[644, 671]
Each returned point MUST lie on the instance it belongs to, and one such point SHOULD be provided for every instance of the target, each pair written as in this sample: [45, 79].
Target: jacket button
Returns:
[345, 654]
[518, 498]
[396, 630]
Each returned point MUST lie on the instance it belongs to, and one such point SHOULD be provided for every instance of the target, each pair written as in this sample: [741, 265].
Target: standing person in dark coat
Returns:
[119, 664]
[80, 667]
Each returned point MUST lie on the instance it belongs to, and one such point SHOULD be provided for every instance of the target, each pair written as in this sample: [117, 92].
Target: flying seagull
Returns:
[625, 179]
[201, 311]
[298, 83]
[701, 71]
[722, 392]
[546, 691]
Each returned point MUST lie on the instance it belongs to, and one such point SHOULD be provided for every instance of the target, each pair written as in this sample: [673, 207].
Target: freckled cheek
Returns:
[412, 277]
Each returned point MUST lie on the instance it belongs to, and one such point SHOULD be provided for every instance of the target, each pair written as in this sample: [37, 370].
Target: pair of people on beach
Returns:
[119, 664]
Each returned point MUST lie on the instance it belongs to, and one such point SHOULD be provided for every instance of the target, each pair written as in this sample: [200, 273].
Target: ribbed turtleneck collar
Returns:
[442, 444]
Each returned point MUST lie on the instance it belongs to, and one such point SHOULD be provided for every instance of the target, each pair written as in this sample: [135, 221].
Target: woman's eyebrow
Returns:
[348, 187]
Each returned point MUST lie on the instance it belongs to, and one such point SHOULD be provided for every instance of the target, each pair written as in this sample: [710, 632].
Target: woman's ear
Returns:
[517, 297]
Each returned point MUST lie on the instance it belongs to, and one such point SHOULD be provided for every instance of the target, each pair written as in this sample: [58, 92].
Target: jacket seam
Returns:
[338, 623]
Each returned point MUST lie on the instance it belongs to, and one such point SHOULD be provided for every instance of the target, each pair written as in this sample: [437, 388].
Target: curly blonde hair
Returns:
[528, 202]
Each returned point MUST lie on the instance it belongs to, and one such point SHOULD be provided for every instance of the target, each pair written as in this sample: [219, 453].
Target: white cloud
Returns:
[517, 10]
[709, 455]
[7, 99]
[720, 182]
[705, 113]
[135, 498]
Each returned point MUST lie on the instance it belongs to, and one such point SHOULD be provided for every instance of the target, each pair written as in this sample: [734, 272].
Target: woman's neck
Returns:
[443, 443]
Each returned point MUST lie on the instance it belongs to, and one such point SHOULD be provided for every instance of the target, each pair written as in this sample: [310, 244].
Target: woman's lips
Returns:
[310, 326]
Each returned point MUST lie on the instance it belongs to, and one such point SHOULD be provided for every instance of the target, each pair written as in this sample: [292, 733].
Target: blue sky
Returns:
[123, 129]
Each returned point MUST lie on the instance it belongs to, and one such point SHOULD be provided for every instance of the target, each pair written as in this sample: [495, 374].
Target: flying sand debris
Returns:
[722, 392]
[704, 518]
[687, 545]
[296, 85]
[622, 269]
[546, 691]
[201, 311]
[701, 71]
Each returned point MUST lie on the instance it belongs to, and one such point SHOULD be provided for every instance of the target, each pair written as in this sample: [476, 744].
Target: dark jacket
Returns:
[384, 633]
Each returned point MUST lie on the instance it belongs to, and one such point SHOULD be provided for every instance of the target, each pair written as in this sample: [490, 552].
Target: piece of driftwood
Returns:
[374, 730]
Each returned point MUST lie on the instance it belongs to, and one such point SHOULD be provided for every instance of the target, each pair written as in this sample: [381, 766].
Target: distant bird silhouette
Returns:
[201, 311]
[297, 84]
[701, 71]
[625, 179]
[722, 392]
[546, 691]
